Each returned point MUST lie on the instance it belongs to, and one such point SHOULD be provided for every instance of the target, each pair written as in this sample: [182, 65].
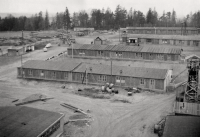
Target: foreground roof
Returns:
[51, 65]
[21, 121]
[143, 49]
[182, 126]
[126, 71]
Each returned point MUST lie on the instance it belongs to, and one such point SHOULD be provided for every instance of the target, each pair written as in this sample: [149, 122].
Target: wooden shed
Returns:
[100, 41]
[16, 51]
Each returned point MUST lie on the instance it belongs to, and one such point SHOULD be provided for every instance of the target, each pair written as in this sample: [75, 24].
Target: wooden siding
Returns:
[159, 84]
[97, 42]
[91, 78]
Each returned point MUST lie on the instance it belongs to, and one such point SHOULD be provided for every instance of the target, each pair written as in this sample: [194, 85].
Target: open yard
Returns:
[108, 118]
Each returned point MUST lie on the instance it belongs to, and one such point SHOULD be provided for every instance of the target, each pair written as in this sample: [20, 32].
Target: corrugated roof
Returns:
[51, 65]
[162, 28]
[143, 49]
[182, 126]
[21, 121]
[126, 71]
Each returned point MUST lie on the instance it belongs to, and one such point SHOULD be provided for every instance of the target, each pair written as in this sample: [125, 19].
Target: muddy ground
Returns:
[108, 118]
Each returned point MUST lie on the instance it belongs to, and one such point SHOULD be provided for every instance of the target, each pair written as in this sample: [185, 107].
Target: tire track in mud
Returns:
[128, 116]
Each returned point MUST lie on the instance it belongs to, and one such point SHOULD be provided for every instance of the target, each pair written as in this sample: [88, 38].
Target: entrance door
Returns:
[152, 84]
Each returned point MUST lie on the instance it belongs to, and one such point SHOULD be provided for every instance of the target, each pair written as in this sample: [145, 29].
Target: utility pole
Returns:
[22, 53]
[86, 74]
[111, 71]
[119, 33]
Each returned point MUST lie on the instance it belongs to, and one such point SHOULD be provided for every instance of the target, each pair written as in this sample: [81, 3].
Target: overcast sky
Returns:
[182, 7]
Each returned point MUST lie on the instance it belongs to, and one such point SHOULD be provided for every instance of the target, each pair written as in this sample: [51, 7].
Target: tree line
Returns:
[98, 19]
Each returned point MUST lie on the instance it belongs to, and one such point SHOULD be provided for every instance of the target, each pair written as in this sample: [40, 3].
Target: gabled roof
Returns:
[51, 65]
[21, 121]
[142, 49]
[126, 71]
[101, 37]
[192, 56]
[182, 126]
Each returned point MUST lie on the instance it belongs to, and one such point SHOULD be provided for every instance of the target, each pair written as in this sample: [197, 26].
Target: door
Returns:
[152, 84]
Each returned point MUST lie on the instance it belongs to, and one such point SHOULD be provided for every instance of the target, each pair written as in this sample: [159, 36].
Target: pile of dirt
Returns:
[92, 93]
[121, 98]
[33, 97]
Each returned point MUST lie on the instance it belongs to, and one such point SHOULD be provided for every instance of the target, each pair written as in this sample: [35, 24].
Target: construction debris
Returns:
[32, 98]
[73, 108]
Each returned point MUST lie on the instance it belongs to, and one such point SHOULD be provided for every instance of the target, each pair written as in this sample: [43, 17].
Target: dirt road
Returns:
[110, 119]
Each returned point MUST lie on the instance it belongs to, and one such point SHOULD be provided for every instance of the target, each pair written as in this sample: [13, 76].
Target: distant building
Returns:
[100, 41]
[98, 74]
[20, 50]
[126, 52]
[162, 30]
[21, 121]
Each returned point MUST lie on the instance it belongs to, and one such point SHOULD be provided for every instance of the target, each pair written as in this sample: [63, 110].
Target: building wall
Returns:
[97, 42]
[122, 81]
[45, 74]
[161, 31]
[55, 130]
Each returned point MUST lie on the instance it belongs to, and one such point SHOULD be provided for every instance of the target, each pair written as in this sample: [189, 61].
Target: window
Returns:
[118, 54]
[81, 52]
[136, 54]
[174, 42]
[66, 75]
[195, 43]
[141, 55]
[53, 74]
[152, 82]
[30, 72]
[160, 56]
[188, 43]
[168, 57]
[148, 40]
[142, 81]
[102, 78]
[164, 41]
[180, 41]
[120, 79]
[42, 73]
[150, 55]
[100, 53]
[83, 76]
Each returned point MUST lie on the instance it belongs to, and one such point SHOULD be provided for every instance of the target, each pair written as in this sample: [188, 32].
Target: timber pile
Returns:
[32, 98]
[75, 109]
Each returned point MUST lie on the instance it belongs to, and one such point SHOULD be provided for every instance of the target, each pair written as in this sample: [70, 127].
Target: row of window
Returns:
[53, 74]
[101, 78]
[163, 31]
[167, 41]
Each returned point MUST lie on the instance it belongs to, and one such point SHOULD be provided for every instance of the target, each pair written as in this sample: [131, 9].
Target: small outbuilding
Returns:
[16, 51]
[100, 41]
